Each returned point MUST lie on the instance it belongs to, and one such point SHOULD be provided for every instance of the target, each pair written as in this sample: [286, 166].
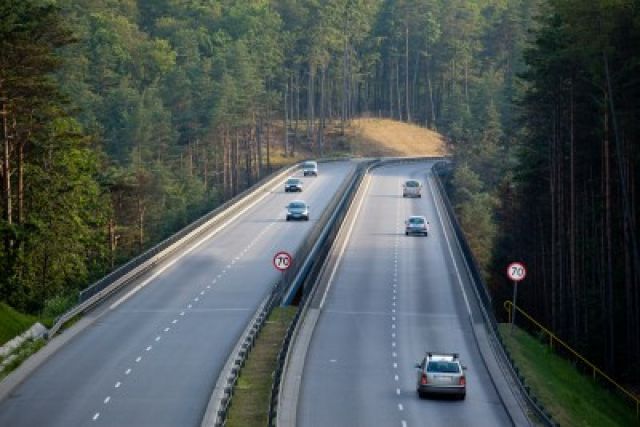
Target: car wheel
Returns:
[406, 233]
[288, 219]
[421, 395]
[462, 396]
[306, 218]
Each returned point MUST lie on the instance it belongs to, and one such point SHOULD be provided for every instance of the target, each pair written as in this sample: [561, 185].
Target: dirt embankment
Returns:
[384, 137]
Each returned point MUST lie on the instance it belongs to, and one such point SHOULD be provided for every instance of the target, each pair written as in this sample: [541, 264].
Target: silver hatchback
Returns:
[441, 373]
[416, 224]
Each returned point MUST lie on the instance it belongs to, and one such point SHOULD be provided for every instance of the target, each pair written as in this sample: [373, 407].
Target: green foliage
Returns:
[13, 323]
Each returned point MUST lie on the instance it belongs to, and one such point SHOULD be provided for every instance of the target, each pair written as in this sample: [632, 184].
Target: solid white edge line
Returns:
[345, 241]
[444, 232]
[192, 248]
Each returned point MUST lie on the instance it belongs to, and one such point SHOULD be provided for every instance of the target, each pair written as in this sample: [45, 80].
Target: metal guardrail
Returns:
[292, 278]
[486, 302]
[508, 305]
[123, 275]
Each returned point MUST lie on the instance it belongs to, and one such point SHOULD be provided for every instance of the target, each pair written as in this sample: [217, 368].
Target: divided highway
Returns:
[153, 354]
[391, 298]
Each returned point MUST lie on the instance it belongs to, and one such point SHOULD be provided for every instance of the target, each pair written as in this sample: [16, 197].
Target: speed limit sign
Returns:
[282, 260]
[516, 271]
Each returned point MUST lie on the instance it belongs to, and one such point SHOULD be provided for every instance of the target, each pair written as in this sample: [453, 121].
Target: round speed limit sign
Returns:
[516, 271]
[282, 260]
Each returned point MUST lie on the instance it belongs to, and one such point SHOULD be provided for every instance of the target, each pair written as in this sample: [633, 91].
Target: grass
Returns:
[250, 404]
[13, 323]
[572, 398]
[21, 354]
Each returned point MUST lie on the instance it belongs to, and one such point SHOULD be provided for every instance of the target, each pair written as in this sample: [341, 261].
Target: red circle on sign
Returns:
[282, 260]
[516, 271]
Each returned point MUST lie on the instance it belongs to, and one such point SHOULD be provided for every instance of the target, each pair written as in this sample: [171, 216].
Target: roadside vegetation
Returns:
[13, 323]
[250, 404]
[572, 398]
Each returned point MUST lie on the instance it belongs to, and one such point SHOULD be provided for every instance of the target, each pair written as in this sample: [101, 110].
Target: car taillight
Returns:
[463, 380]
[423, 380]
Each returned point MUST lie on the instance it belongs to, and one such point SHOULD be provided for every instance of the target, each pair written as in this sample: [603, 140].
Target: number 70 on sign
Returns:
[282, 260]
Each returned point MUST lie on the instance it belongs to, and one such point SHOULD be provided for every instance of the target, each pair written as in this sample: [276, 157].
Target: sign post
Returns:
[282, 261]
[516, 271]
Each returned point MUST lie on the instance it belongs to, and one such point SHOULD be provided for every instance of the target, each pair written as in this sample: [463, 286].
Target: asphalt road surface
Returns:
[392, 298]
[153, 354]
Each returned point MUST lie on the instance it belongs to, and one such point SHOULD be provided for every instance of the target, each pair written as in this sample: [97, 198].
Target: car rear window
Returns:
[297, 205]
[412, 184]
[293, 181]
[416, 221]
[443, 367]
[309, 165]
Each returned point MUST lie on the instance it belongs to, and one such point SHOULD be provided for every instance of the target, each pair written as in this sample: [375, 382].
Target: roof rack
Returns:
[438, 353]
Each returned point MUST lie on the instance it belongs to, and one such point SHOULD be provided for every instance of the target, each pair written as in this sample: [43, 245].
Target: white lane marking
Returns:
[196, 299]
[393, 318]
[219, 276]
[174, 321]
[158, 338]
[393, 335]
[404, 423]
[394, 354]
[127, 372]
[393, 310]
[95, 417]
[149, 348]
[189, 250]
[396, 378]
[393, 304]
[345, 241]
[189, 306]
[393, 326]
[107, 400]
[333, 360]
[455, 265]
[167, 329]
[138, 359]
[228, 266]
[209, 286]
[182, 313]
[400, 407]
[118, 384]
[393, 344]
[398, 393]
[202, 293]
[395, 365]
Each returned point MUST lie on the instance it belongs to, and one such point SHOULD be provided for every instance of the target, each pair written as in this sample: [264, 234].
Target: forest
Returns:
[124, 120]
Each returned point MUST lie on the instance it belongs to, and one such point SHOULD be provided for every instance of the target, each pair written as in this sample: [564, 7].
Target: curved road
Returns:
[391, 299]
[152, 358]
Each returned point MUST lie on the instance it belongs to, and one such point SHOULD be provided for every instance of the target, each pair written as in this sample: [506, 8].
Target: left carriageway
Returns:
[151, 355]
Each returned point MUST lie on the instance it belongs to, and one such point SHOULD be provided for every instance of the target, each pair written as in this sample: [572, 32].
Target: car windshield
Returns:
[443, 367]
[416, 221]
[293, 181]
[297, 206]
[412, 184]
[309, 165]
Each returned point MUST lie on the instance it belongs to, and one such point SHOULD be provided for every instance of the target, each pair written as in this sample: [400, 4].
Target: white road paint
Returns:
[404, 423]
[138, 359]
[158, 338]
[118, 384]
[174, 321]
[167, 329]
[149, 348]
[400, 407]
[345, 241]
[96, 416]
[453, 259]
[107, 400]
[127, 372]
[396, 378]
[182, 313]
[189, 306]
[395, 365]
[398, 392]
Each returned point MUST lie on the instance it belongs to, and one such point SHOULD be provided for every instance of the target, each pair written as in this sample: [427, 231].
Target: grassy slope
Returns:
[572, 398]
[250, 405]
[13, 323]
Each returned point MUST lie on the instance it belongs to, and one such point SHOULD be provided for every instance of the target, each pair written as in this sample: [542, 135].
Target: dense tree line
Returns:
[122, 120]
[573, 215]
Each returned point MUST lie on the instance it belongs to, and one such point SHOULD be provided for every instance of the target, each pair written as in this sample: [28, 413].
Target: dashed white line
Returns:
[393, 344]
[196, 299]
[118, 384]
[158, 338]
[107, 400]
[404, 423]
[127, 372]
[394, 354]
[400, 407]
[395, 365]
[398, 393]
[138, 359]
[96, 416]
[189, 306]
[393, 335]
[149, 348]
[396, 378]
[167, 329]
[174, 321]
[202, 293]
[182, 313]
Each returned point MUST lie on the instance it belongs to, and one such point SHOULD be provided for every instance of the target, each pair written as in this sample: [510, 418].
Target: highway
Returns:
[390, 298]
[152, 354]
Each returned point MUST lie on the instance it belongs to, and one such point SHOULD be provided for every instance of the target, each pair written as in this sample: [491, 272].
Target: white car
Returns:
[412, 188]
[416, 224]
[310, 168]
[293, 184]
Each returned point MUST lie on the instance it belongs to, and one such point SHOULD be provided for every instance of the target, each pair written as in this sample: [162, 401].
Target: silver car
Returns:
[441, 373]
[416, 224]
[310, 168]
[297, 209]
[293, 184]
[412, 188]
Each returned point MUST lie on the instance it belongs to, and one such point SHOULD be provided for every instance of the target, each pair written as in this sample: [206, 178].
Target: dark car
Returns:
[292, 184]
